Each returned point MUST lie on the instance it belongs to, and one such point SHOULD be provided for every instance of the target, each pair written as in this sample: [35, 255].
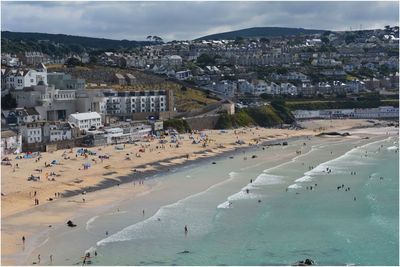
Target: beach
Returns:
[110, 186]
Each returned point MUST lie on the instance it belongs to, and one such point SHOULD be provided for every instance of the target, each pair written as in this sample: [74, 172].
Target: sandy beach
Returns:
[59, 190]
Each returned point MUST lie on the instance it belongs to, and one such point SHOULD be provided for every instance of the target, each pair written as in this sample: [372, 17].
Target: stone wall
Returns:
[199, 123]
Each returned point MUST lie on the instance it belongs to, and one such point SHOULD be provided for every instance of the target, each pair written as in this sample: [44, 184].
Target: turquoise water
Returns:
[227, 226]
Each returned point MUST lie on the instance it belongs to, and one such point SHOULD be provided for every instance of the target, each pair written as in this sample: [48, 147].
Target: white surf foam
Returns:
[294, 186]
[139, 230]
[266, 179]
[392, 148]
[335, 165]
[224, 205]
[90, 222]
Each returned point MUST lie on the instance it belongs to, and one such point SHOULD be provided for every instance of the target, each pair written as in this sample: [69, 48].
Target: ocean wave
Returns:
[139, 230]
[336, 165]
[305, 178]
[90, 222]
[233, 174]
[392, 148]
[267, 179]
[294, 186]
[313, 149]
[243, 195]
[224, 205]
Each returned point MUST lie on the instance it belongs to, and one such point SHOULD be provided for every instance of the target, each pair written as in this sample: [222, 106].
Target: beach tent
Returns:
[119, 147]
[54, 161]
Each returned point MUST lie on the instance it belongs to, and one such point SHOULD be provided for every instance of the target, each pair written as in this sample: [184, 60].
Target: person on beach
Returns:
[51, 258]
[186, 229]
[23, 240]
[143, 212]
[38, 258]
[354, 198]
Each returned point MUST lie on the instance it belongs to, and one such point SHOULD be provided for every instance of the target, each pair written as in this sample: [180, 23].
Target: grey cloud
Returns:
[188, 20]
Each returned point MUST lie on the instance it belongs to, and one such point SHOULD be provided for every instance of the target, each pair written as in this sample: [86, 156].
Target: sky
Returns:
[190, 19]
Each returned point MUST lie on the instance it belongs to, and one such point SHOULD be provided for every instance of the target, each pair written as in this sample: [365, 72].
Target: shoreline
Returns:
[207, 154]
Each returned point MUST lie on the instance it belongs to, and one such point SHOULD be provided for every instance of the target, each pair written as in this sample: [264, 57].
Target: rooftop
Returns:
[86, 116]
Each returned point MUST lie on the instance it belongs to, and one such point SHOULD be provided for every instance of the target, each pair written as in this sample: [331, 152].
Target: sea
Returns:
[335, 202]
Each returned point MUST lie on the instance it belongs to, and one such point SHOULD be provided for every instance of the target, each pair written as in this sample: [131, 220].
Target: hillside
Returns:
[14, 42]
[260, 32]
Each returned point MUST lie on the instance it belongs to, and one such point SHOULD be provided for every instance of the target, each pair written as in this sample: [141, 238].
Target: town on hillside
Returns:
[88, 97]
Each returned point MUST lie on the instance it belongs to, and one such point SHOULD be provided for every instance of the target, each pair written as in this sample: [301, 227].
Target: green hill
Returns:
[258, 32]
[14, 42]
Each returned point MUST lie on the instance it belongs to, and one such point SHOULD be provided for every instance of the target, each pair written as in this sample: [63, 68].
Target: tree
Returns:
[157, 39]
[325, 40]
[73, 62]
[239, 40]
[8, 102]
[205, 59]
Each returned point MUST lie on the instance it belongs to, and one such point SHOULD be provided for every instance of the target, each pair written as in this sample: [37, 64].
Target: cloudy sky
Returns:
[189, 20]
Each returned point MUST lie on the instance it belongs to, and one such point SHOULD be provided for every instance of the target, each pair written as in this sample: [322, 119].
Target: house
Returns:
[10, 60]
[59, 131]
[86, 121]
[17, 79]
[372, 84]
[32, 132]
[245, 87]
[11, 142]
[33, 58]
[226, 88]
[260, 87]
[171, 61]
[130, 79]
[20, 116]
[183, 75]
[288, 89]
[274, 89]
[355, 86]
[119, 79]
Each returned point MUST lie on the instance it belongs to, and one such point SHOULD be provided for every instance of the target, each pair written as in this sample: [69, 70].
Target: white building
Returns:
[58, 131]
[245, 87]
[84, 121]
[134, 102]
[388, 112]
[260, 87]
[32, 132]
[274, 89]
[10, 142]
[226, 88]
[18, 79]
[171, 61]
[306, 114]
[183, 75]
[288, 89]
